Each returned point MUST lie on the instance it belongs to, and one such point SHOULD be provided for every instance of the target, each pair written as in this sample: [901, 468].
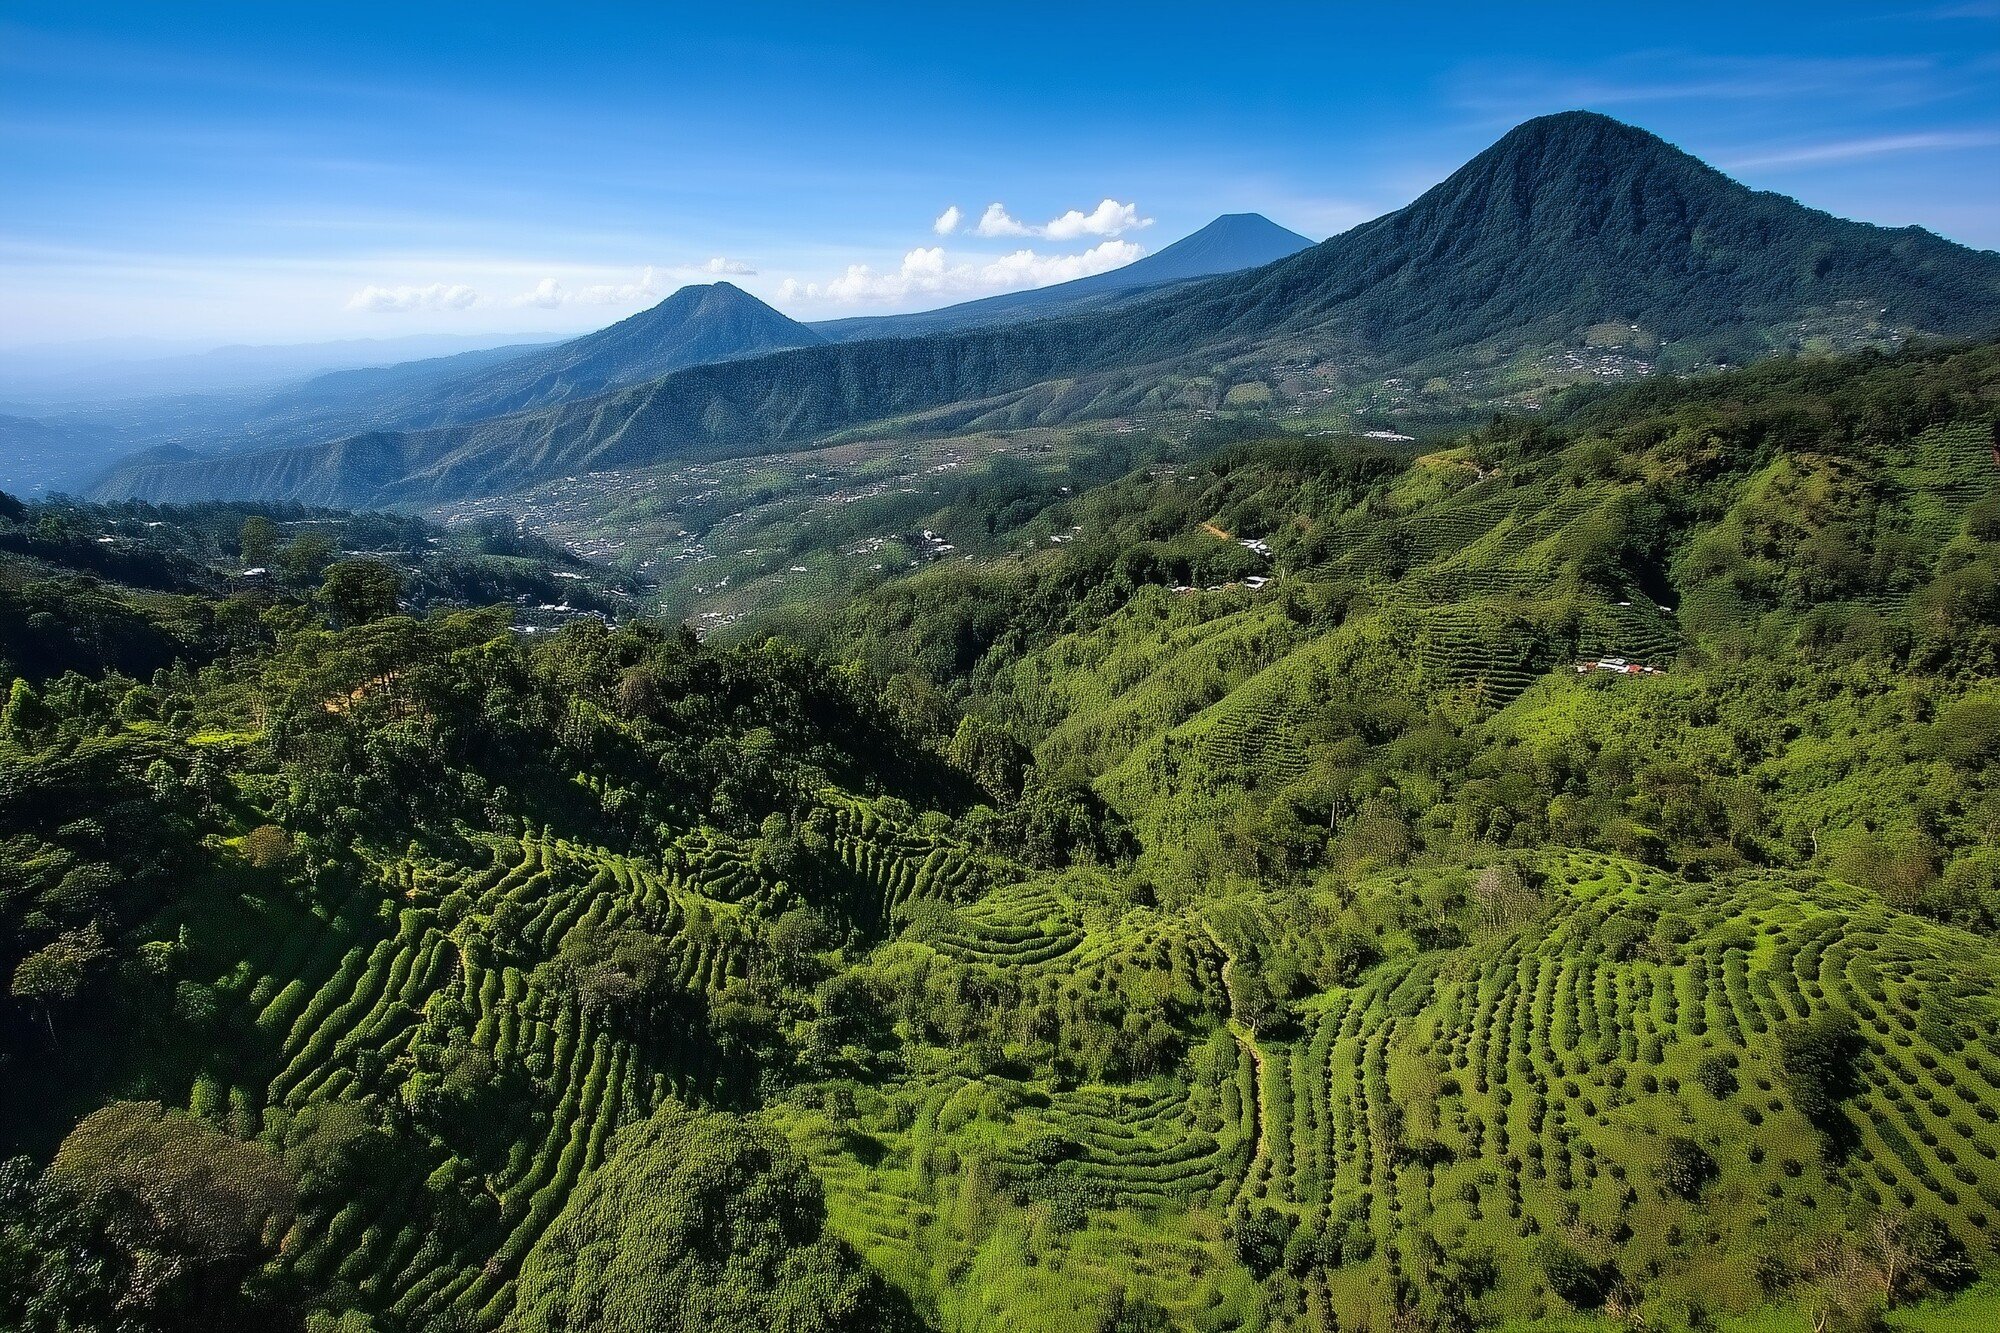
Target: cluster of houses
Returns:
[1253, 583]
[1618, 666]
[1255, 545]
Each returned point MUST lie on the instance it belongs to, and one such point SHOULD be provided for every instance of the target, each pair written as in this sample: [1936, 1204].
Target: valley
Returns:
[1443, 779]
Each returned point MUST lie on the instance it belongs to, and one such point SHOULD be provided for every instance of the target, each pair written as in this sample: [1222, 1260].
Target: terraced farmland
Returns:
[341, 1004]
[1531, 1086]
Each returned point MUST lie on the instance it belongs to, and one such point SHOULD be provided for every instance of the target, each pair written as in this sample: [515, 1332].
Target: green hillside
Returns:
[1241, 914]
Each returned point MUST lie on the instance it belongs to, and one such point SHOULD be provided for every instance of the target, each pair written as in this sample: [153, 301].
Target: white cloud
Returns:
[928, 271]
[548, 294]
[1517, 89]
[1883, 145]
[995, 222]
[551, 294]
[1109, 218]
[947, 221]
[400, 300]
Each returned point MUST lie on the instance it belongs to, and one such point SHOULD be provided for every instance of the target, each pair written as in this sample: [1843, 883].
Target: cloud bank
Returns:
[928, 271]
[548, 294]
[1109, 218]
[400, 300]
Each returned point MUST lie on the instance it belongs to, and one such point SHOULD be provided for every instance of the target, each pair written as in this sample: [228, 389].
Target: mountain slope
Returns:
[1575, 219]
[1568, 226]
[1230, 244]
[693, 326]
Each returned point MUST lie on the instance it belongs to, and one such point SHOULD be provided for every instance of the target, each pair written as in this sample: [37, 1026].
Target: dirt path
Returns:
[340, 703]
[1260, 1156]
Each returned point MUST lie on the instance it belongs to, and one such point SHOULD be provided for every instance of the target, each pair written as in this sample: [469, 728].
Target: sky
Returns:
[289, 172]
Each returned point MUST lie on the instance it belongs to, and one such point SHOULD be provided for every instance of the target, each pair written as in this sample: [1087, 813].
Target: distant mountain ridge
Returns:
[91, 376]
[1230, 244]
[693, 326]
[1566, 224]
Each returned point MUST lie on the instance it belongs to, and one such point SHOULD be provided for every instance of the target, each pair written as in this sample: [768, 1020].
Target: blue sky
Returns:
[295, 171]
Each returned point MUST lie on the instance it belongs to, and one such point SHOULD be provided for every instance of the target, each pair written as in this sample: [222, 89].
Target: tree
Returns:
[54, 976]
[1685, 1167]
[700, 1222]
[305, 557]
[1059, 823]
[797, 937]
[358, 591]
[258, 541]
[24, 715]
[777, 850]
[991, 755]
[1572, 1275]
[152, 1219]
[1261, 1236]
[1501, 899]
[1968, 734]
[1918, 1254]
[617, 974]
[1715, 1076]
[1132, 1314]
[267, 847]
[216, 1195]
[330, 1147]
[1819, 1062]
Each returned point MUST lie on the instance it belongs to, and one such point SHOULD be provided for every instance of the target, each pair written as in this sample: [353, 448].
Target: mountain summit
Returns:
[1230, 244]
[694, 326]
[1576, 219]
[691, 327]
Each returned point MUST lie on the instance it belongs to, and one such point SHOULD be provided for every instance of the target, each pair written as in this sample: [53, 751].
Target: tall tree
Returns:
[701, 1222]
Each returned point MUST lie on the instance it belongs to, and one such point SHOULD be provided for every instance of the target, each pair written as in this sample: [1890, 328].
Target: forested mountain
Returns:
[1572, 232]
[1230, 244]
[1540, 878]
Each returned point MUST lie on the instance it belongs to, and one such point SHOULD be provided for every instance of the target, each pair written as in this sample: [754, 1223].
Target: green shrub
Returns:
[1685, 1167]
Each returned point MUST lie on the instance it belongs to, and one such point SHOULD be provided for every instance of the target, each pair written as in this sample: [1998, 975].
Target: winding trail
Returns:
[1261, 1154]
